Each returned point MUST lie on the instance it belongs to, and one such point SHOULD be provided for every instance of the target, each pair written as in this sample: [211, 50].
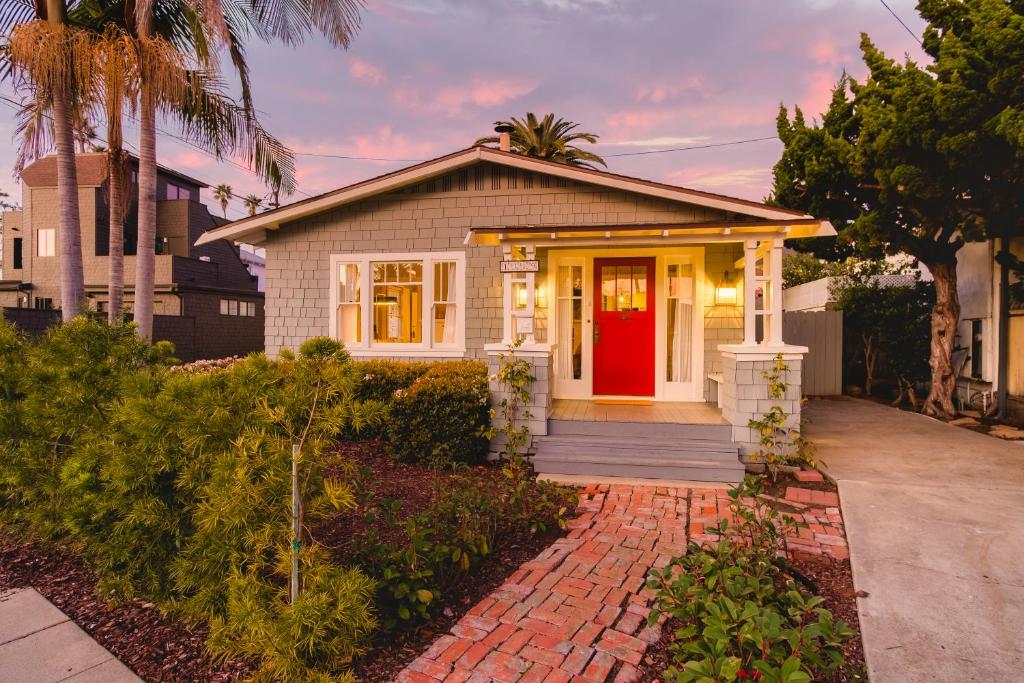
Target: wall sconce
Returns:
[725, 292]
[520, 289]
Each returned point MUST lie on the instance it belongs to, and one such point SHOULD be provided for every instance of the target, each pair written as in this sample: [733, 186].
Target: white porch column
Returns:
[749, 292]
[774, 333]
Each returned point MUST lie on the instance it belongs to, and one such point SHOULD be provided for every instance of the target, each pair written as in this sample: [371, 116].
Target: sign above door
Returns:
[527, 266]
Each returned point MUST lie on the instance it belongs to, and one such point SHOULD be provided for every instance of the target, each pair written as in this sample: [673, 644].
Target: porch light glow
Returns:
[725, 292]
[521, 297]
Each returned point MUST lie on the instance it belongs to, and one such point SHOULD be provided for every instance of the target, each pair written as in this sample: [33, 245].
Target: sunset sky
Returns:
[426, 77]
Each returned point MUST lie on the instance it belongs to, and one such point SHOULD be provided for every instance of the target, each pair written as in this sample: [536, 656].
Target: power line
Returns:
[352, 158]
[897, 17]
[687, 149]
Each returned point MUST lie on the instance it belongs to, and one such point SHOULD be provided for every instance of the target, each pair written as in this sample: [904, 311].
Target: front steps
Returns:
[638, 450]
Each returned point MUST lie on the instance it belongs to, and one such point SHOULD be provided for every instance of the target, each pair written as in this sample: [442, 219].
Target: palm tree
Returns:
[550, 138]
[223, 194]
[223, 22]
[252, 203]
[50, 59]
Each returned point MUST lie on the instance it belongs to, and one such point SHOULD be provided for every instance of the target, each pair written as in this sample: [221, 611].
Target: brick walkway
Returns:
[578, 611]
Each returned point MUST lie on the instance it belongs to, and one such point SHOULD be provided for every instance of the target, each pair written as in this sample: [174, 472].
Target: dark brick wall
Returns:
[32, 321]
[218, 336]
[199, 334]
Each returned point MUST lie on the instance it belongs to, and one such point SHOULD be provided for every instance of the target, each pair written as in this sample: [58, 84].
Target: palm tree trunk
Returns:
[115, 285]
[145, 258]
[72, 277]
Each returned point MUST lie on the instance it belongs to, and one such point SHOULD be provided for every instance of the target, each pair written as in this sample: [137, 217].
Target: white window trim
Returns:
[427, 349]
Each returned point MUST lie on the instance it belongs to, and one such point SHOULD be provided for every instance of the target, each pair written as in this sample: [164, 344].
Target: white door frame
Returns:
[663, 389]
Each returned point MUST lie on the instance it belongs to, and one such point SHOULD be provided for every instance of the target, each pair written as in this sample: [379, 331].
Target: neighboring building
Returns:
[622, 290]
[255, 263]
[208, 286]
[987, 365]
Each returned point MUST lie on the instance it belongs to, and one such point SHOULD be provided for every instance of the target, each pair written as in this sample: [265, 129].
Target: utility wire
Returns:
[687, 149]
[897, 17]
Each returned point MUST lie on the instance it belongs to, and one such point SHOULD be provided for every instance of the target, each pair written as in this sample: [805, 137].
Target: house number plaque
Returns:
[528, 266]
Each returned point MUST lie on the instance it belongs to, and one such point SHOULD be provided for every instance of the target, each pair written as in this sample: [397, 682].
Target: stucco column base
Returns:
[743, 394]
[539, 356]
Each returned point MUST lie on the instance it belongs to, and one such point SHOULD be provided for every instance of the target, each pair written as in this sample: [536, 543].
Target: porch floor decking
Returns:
[659, 411]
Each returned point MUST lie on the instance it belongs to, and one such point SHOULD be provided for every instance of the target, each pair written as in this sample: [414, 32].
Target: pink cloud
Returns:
[364, 72]
[625, 124]
[452, 100]
[659, 92]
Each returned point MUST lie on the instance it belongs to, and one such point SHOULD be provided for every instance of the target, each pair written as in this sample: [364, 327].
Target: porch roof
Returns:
[651, 233]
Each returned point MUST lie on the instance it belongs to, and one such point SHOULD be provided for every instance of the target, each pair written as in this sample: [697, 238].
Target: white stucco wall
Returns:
[976, 284]
[810, 296]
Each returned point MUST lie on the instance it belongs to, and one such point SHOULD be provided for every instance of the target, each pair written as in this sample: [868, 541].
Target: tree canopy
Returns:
[918, 159]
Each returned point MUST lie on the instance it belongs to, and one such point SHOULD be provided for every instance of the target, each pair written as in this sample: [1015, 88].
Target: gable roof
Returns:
[251, 229]
[91, 168]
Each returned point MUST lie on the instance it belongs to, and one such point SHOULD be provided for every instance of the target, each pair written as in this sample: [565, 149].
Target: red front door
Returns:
[624, 326]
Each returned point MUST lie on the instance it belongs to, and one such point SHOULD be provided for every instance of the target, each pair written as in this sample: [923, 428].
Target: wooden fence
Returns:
[822, 333]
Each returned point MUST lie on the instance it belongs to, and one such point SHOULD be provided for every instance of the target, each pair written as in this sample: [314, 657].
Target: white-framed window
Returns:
[237, 307]
[407, 303]
[46, 242]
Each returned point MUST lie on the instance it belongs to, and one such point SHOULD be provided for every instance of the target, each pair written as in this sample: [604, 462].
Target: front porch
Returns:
[678, 412]
[650, 345]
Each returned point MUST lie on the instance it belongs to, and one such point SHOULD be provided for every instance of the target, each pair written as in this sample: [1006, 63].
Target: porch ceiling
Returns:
[647, 233]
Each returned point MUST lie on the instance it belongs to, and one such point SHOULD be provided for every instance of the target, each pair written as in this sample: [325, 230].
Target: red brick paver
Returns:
[578, 611]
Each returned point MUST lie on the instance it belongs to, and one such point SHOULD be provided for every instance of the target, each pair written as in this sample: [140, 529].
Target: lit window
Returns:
[223, 306]
[445, 307]
[350, 328]
[382, 303]
[398, 302]
[46, 242]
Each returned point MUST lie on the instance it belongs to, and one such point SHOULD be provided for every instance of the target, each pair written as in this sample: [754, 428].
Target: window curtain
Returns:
[565, 340]
[682, 334]
[449, 309]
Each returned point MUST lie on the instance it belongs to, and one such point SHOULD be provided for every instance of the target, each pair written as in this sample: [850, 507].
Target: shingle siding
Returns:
[421, 218]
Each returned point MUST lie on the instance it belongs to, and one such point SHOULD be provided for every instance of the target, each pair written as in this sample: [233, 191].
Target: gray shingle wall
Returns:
[435, 216]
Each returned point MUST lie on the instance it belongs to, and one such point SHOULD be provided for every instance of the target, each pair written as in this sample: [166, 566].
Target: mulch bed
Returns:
[153, 645]
[832, 579]
[383, 479]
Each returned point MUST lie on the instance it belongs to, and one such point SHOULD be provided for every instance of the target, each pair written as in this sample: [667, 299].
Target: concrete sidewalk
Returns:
[935, 522]
[40, 644]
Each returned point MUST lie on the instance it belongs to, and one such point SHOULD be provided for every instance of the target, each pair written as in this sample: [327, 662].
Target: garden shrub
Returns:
[381, 378]
[442, 417]
[739, 615]
[453, 535]
[64, 391]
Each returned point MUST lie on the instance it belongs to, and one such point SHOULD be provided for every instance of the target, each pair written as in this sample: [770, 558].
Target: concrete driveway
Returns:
[935, 521]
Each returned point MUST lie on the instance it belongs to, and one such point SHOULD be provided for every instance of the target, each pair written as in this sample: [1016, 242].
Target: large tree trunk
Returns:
[945, 317]
[72, 278]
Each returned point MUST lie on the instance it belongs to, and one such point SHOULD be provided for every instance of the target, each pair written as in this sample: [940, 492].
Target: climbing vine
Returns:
[778, 443]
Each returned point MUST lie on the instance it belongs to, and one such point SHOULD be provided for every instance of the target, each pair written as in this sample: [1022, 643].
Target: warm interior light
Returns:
[725, 292]
[521, 297]
[725, 296]
[384, 300]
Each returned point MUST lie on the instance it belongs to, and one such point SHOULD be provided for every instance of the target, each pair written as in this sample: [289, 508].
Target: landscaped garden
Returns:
[171, 488]
[152, 502]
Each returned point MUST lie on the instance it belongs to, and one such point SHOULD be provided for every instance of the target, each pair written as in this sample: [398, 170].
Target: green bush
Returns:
[58, 391]
[380, 378]
[442, 417]
[738, 615]
[453, 535]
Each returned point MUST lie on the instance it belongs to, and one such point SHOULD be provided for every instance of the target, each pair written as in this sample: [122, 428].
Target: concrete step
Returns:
[680, 468]
[652, 430]
[630, 448]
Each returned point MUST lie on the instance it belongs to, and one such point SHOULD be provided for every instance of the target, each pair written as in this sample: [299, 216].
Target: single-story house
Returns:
[636, 301]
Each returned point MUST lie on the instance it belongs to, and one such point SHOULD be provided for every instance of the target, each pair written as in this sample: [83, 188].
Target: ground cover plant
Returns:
[174, 486]
[735, 609]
